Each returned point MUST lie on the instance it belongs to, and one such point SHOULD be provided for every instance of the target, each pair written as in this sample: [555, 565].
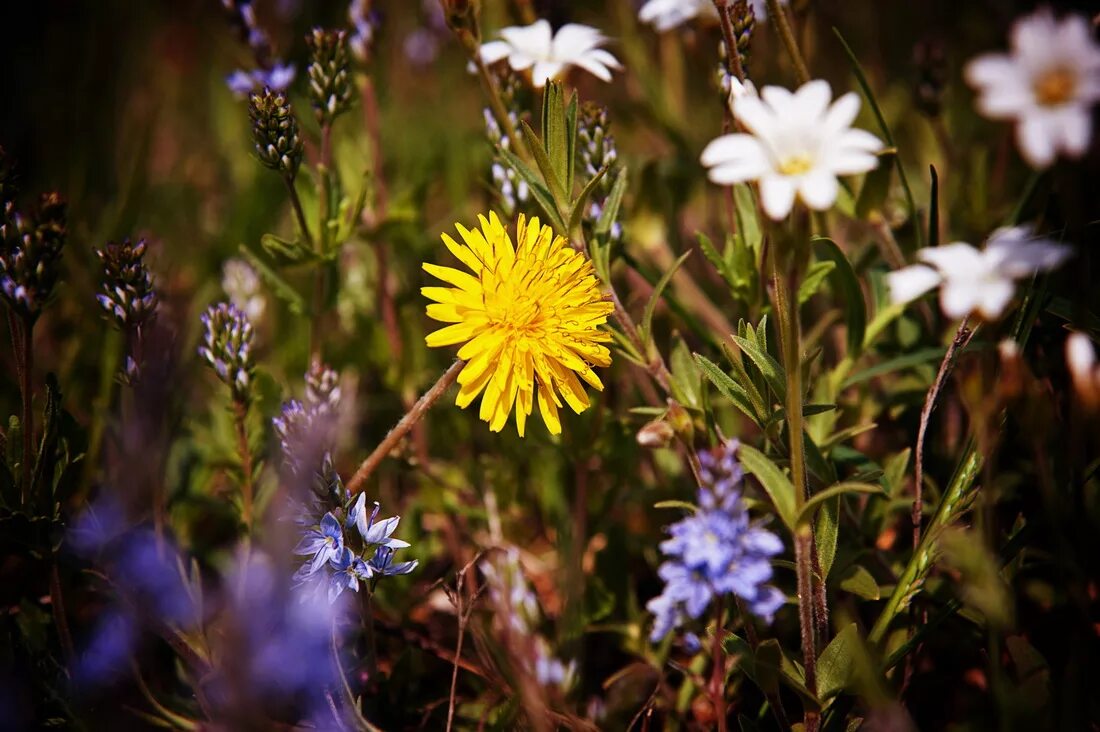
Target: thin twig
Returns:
[299, 212]
[961, 339]
[733, 56]
[778, 15]
[402, 428]
[27, 426]
[240, 414]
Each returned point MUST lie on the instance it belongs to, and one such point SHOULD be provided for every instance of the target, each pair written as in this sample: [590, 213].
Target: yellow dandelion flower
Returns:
[529, 318]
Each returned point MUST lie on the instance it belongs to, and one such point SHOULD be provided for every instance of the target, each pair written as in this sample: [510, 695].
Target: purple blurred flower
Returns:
[278, 78]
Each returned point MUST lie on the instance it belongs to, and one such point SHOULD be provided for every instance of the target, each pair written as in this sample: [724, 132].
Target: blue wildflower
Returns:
[324, 543]
[715, 551]
[381, 564]
[347, 571]
[374, 532]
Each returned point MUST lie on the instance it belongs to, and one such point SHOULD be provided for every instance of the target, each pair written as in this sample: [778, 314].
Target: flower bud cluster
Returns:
[330, 89]
[275, 131]
[227, 347]
[128, 295]
[30, 253]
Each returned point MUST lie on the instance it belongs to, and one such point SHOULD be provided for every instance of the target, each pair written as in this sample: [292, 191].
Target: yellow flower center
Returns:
[796, 165]
[1056, 86]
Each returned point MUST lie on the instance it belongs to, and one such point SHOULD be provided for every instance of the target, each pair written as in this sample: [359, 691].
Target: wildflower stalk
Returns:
[496, 105]
[718, 670]
[299, 212]
[785, 284]
[733, 55]
[778, 15]
[240, 415]
[402, 428]
[26, 366]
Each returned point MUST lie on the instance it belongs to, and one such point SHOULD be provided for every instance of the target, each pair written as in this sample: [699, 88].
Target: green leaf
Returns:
[748, 224]
[545, 165]
[542, 195]
[845, 280]
[647, 316]
[571, 140]
[682, 505]
[934, 209]
[284, 251]
[280, 287]
[840, 489]
[577, 212]
[599, 602]
[685, 376]
[808, 410]
[611, 206]
[728, 387]
[859, 582]
[914, 358]
[774, 481]
[893, 469]
[555, 136]
[816, 274]
[857, 69]
[826, 534]
[838, 664]
[772, 371]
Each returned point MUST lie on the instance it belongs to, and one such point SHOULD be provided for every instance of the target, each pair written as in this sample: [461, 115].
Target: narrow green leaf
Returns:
[611, 205]
[861, 78]
[774, 481]
[748, 224]
[893, 469]
[282, 289]
[571, 140]
[685, 376]
[934, 209]
[577, 212]
[647, 315]
[808, 509]
[728, 387]
[555, 135]
[845, 280]
[682, 505]
[772, 371]
[914, 358]
[810, 284]
[826, 534]
[545, 165]
[541, 193]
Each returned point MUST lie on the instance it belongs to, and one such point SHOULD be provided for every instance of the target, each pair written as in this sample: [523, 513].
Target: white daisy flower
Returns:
[1081, 362]
[665, 15]
[797, 145]
[977, 281]
[547, 55]
[1048, 84]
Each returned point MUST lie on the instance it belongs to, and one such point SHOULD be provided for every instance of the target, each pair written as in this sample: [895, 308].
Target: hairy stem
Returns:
[240, 414]
[25, 373]
[786, 307]
[778, 15]
[403, 427]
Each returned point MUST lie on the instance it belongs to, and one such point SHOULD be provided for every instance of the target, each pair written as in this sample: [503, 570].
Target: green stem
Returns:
[25, 374]
[718, 670]
[496, 104]
[299, 212]
[240, 415]
[785, 284]
[778, 15]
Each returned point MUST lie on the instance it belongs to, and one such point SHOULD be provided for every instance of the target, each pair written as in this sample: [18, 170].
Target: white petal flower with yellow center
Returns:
[530, 317]
[977, 281]
[548, 55]
[665, 15]
[797, 144]
[1047, 84]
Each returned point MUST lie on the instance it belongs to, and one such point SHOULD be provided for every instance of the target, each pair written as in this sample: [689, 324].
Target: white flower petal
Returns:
[1080, 357]
[544, 71]
[956, 260]
[755, 115]
[842, 113]
[909, 283]
[812, 99]
[992, 297]
[535, 39]
[958, 299]
[574, 40]
[777, 195]
[818, 189]
[494, 51]
[1076, 130]
[1036, 139]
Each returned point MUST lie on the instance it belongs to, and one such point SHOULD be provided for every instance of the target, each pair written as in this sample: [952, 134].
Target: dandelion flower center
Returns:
[529, 317]
[1054, 87]
[796, 164]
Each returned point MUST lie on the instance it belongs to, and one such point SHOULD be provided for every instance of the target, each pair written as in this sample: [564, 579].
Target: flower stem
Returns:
[240, 415]
[402, 428]
[786, 307]
[496, 104]
[783, 26]
[718, 669]
[733, 56]
[25, 374]
[299, 212]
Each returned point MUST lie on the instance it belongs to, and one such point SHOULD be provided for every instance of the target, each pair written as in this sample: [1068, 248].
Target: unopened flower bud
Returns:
[275, 131]
[128, 296]
[330, 89]
[680, 421]
[227, 347]
[657, 433]
[30, 253]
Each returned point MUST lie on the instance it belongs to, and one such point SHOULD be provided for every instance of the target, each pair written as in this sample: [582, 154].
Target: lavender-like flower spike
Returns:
[715, 551]
[227, 347]
[30, 253]
[128, 295]
[330, 88]
[275, 131]
[322, 389]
